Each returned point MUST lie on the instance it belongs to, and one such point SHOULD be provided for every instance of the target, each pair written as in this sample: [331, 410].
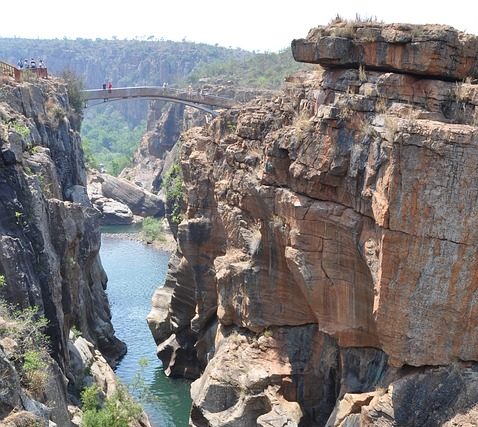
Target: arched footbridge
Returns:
[188, 97]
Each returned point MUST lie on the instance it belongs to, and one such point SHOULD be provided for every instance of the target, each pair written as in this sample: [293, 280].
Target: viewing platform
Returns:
[18, 74]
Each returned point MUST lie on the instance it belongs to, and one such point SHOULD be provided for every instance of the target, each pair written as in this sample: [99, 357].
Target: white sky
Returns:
[248, 24]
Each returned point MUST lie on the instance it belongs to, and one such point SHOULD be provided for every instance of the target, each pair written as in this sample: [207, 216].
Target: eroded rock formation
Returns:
[119, 200]
[49, 236]
[329, 240]
[432, 50]
[166, 121]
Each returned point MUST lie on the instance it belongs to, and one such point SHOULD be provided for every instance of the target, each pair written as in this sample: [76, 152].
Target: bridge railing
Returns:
[196, 96]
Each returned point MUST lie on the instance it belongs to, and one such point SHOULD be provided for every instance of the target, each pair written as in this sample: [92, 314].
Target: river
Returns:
[134, 271]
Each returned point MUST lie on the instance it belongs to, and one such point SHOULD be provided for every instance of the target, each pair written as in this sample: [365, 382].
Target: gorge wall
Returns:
[326, 266]
[158, 148]
[49, 244]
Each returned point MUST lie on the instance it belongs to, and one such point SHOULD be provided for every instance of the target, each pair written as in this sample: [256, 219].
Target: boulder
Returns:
[113, 212]
[140, 201]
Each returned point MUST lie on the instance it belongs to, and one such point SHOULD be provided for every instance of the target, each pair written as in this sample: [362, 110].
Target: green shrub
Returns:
[21, 129]
[173, 184]
[2, 280]
[152, 229]
[90, 398]
[34, 370]
[117, 411]
[74, 87]
[76, 332]
[138, 386]
[30, 356]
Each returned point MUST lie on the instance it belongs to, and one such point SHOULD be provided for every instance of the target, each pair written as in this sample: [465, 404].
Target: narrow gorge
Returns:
[326, 264]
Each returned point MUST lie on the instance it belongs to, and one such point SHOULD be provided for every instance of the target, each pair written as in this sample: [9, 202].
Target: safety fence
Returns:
[11, 71]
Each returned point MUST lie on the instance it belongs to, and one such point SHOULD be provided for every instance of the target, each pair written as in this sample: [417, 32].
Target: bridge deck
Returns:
[167, 94]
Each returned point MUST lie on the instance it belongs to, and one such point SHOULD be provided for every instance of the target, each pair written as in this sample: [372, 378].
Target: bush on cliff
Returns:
[116, 411]
[74, 86]
[173, 185]
[30, 352]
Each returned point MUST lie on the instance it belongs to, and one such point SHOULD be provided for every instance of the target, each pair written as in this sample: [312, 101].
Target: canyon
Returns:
[326, 264]
[325, 269]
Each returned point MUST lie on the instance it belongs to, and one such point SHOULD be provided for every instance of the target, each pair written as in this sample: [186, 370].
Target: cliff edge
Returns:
[49, 244]
[326, 265]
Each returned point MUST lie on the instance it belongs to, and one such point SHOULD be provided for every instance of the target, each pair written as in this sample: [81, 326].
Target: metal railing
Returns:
[8, 70]
[11, 71]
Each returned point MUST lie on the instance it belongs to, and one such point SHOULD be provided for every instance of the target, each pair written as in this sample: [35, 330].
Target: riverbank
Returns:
[165, 243]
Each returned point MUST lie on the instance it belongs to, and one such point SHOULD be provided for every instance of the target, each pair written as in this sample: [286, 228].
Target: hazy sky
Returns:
[248, 24]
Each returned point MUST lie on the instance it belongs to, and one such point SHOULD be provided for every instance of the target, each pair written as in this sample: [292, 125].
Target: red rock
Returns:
[430, 50]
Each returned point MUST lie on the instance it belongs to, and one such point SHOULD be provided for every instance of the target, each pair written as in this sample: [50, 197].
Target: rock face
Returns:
[49, 238]
[433, 50]
[166, 122]
[330, 242]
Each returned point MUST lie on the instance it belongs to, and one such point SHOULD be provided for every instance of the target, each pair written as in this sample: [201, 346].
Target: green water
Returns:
[134, 271]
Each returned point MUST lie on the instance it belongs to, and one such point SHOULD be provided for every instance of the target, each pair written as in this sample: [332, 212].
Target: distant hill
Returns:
[261, 70]
[124, 62]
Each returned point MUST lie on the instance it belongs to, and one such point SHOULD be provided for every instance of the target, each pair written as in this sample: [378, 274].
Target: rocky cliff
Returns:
[166, 121]
[326, 264]
[49, 238]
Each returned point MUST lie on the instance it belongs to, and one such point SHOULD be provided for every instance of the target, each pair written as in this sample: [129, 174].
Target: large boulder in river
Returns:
[113, 212]
[140, 201]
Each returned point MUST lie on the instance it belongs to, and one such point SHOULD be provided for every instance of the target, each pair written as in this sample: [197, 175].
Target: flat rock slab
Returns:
[429, 50]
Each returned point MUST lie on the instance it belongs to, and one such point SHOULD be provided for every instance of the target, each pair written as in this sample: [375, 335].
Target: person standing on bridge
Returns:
[110, 86]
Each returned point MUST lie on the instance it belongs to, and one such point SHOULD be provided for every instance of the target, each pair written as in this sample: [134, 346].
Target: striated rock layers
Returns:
[49, 238]
[327, 260]
[432, 50]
